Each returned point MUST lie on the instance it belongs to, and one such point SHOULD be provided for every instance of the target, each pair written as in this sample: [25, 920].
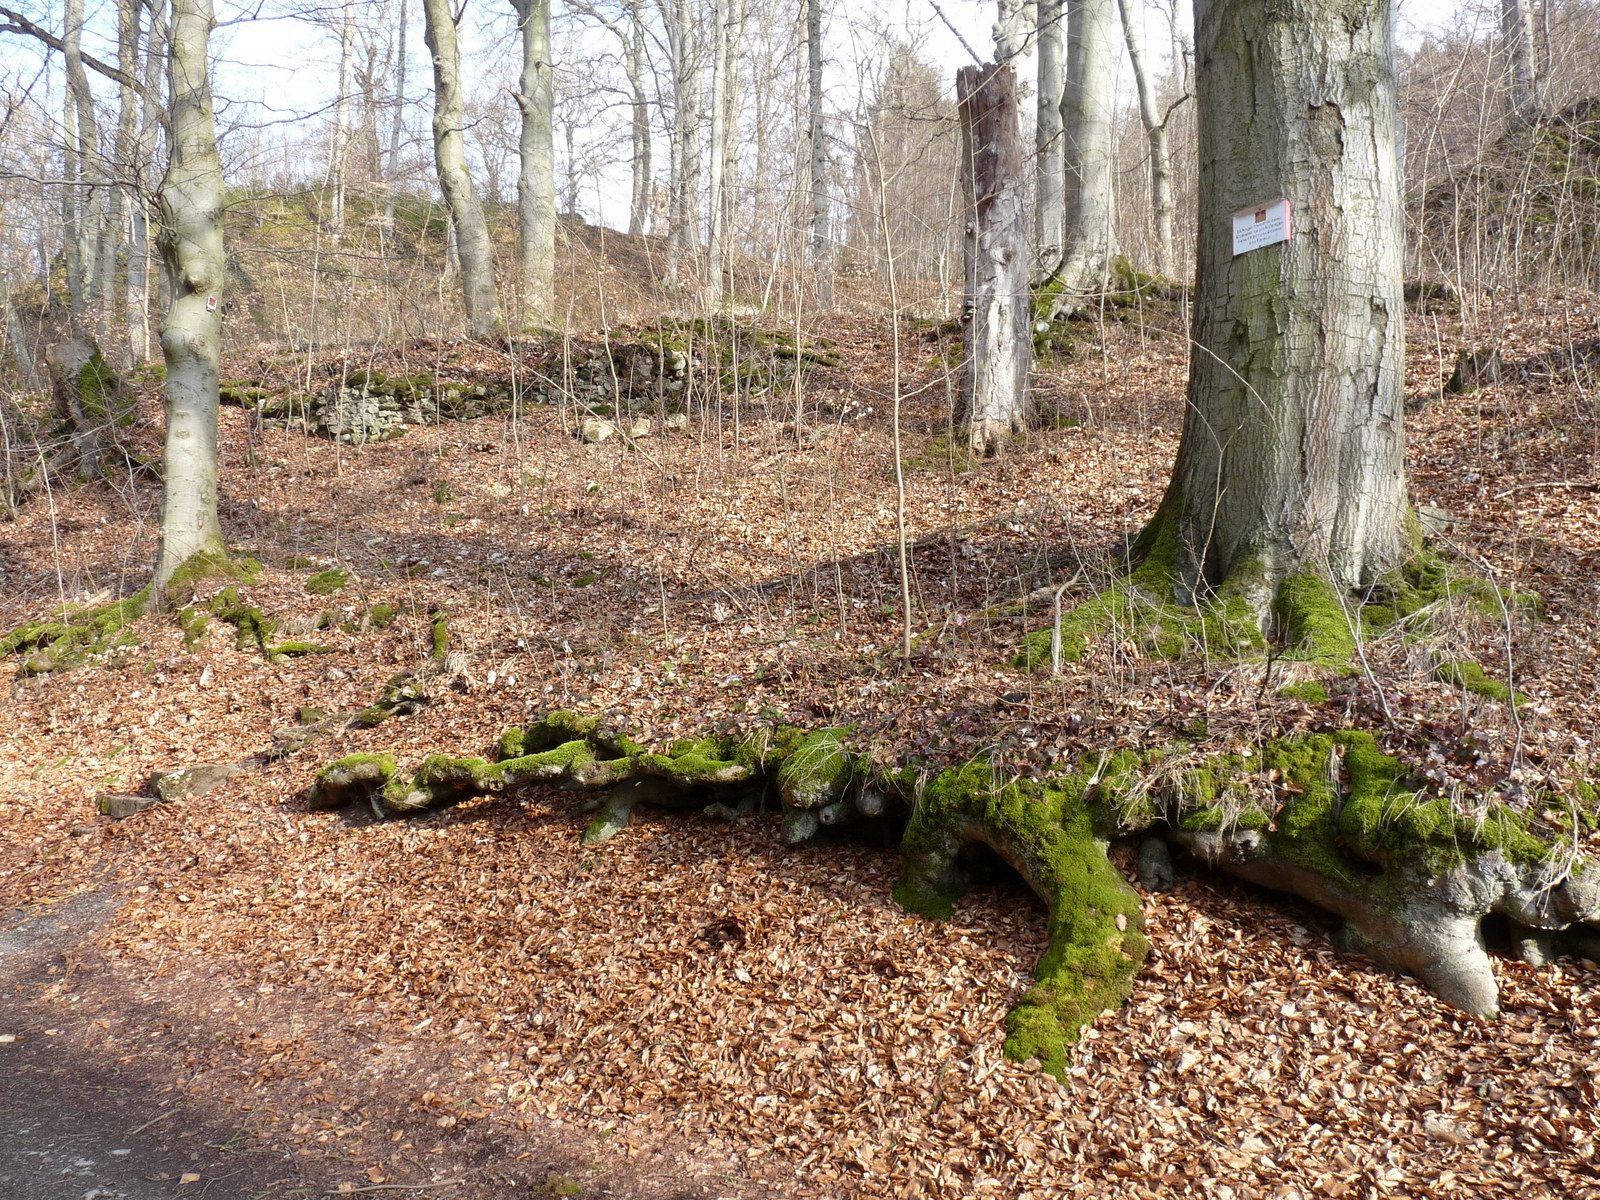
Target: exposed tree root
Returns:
[1327, 816]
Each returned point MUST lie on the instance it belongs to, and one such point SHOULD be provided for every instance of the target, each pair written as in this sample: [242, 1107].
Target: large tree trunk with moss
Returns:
[536, 180]
[997, 315]
[450, 158]
[1292, 458]
[190, 240]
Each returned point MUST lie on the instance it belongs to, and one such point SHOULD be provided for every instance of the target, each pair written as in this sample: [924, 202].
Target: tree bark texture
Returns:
[1050, 160]
[997, 317]
[1292, 455]
[397, 125]
[1155, 132]
[1516, 35]
[1088, 105]
[450, 158]
[536, 179]
[80, 210]
[818, 235]
[190, 239]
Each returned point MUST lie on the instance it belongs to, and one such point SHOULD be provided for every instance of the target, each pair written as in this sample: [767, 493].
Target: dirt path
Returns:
[72, 1125]
[79, 1123]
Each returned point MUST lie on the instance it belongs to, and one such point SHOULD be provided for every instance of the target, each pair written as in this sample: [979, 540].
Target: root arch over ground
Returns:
[1327, 816]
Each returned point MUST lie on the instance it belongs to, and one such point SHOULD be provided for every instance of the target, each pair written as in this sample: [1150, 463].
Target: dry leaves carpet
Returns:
[474, 998]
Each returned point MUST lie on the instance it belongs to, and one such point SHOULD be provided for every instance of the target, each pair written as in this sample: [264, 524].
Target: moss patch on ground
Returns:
[76, 635]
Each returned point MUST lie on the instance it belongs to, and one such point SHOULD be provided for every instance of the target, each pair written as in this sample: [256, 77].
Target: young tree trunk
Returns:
[817, 235]
[633, 59]
[1516, 32]
[338, 164]
[1087, 108]
[123, 203]
[997, 319]
[190, 239]
[1292, 458]
[397, 127]
[79, 197]
[711, 280]
[683, 227]
[1155, 132]
[536, 178]
[1049, 158]
[450, 158]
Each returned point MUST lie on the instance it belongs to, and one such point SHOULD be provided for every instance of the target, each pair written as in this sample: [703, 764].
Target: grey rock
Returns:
[192, 781]
[119, 807]
[1155, 866]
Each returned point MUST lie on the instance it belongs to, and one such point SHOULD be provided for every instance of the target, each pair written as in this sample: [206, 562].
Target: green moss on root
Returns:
[1143, 606]
[1051, 835]
[355, 778]
[76, 635]
[818, 770]
[329, 582]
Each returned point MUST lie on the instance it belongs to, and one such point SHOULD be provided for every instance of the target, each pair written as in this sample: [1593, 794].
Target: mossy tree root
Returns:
[1329, 817]
[1050, 836]
[1259, 612]
[1411, 877]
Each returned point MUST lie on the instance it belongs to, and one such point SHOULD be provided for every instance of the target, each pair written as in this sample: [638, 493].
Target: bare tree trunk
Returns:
[338, 158]
[124, 203]
[1014, 22]
[818, 235]
[78, 199]
[997, 320]
[1292, 458]
[683, 227]
[1049, 156]
[450, 158]
[1087, 104]
[1155, 132]
[536, 178]
[397, 127]
[190, 239]
[1516, 32]
[711, 280]
[634, 64]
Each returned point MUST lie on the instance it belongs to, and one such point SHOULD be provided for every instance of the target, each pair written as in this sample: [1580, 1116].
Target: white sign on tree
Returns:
[1263, 225]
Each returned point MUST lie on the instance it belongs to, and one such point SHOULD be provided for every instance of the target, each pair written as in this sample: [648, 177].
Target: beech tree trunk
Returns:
[1155, 132]
[1049, 157]
[190, 240]
[997, 318]
[536, 179]
[633, 59]
[1087, 107]
[818, 235]
[450, 158]
[1292, 456]
[1522, 80]
[717, 157]
[80, 196]
[339, 156]
[397, 125]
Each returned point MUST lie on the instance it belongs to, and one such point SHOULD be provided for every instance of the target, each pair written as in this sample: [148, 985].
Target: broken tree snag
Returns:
[997, 315]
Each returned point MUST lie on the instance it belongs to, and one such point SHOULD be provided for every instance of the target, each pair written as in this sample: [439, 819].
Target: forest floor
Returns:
[256, 1000]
